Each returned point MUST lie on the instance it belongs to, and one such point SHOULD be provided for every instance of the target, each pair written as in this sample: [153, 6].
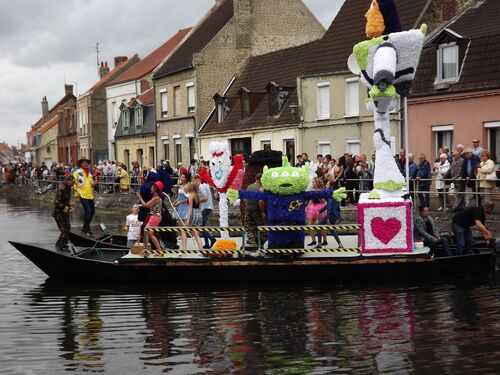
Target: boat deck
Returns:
[330, 251]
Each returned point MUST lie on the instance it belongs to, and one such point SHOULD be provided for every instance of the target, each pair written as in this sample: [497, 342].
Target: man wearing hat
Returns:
[255, 215]
[62, 208]
[84, 188]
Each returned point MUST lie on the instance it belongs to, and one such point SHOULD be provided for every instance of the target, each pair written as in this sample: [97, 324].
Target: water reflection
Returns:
[447, 326]
[233, 331]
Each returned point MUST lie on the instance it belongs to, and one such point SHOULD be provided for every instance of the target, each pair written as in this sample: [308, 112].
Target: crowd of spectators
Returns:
[461, 178]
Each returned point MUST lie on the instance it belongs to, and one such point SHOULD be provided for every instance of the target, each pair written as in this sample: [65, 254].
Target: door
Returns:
[290, 149]
[241, 146]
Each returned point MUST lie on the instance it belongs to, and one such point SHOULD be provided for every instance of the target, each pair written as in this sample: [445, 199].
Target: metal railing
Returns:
[468, 190]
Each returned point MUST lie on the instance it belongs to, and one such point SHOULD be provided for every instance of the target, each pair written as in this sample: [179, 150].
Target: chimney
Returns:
[243, 15]
[103, 69]
[120, 59]
[45, 106]
[68, 89]
[448, 9]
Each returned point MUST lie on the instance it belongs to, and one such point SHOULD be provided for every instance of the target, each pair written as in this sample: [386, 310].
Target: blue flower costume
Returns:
[286, 200]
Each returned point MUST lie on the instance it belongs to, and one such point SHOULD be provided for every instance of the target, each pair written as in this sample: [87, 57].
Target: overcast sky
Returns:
[46, 43]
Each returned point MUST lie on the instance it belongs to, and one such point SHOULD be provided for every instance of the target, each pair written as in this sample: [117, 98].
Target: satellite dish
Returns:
[352, 64]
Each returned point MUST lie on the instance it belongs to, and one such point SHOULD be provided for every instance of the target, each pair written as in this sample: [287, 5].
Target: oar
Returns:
[177, 214]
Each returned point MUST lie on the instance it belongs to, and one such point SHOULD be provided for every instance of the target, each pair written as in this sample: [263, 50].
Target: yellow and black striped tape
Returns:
[310, 227]
[262, 251]
[194, 229]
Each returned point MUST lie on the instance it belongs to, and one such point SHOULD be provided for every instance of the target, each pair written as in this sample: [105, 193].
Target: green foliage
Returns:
[374, 194]
[362, 49]
[285, 180]
[339, 194]
[389, 92]
[389, 185]
[232, 195]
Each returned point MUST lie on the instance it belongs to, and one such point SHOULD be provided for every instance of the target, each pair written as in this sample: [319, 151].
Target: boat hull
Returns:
[100, 264]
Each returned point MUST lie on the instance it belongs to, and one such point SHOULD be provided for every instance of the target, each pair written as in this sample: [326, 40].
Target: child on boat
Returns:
[194, 217]
[332, 208]
[133, 226]
[314, 214]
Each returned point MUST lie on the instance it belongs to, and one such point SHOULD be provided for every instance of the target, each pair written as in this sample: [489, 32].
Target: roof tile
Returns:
[199, 37]
[151, 61]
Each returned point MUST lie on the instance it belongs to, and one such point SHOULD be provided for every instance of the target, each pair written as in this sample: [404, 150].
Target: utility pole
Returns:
[97, 55]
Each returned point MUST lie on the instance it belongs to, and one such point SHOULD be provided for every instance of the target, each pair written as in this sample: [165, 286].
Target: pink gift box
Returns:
[386, 227]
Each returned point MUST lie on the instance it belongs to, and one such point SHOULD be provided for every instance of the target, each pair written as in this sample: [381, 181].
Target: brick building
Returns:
[44, 141]
[215, 51]
[133, 83]
[309, 101]
[92, 111]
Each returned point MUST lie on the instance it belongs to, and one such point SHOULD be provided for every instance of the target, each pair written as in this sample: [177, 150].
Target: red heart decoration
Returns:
[385, 230]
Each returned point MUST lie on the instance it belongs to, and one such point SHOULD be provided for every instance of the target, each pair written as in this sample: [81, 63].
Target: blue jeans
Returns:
[432, 244]
[88, 213]
[463, 238]
[206, 213]
[323, 221]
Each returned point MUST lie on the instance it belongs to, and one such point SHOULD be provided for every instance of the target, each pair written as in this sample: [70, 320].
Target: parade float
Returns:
[383, 246]
[223, 176]
[386, 63]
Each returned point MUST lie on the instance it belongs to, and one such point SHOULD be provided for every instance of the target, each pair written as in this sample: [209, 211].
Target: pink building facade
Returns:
[447, 120]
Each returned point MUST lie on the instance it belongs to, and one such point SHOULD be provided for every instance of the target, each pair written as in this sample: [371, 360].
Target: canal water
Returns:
[52, 327]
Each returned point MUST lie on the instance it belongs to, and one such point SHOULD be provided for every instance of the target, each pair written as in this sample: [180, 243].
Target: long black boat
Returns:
[108, 264]
[98, 239]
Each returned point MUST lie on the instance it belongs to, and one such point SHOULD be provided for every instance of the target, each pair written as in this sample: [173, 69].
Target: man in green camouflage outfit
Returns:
[62, 208]
[255, 215]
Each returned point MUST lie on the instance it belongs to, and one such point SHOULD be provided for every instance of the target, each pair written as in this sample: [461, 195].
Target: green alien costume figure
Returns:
[287, 200]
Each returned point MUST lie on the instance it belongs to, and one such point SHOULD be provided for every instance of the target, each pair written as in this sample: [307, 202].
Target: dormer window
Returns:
[222, 107]
[138, 116]
[245, 103]
[277, 97]
[447, 62]
[125, 117]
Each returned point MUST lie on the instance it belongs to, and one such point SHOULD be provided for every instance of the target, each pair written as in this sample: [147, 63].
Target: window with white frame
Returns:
[138, 117]
[191, 97]
[352, 146]
[443, 136]
[323, 100]
[177, 100]
[493, 128]
[265, 144]
[448, 62]
[352, 97]
[164, 103]
[178, 151]
[324, 147]
[125, 118]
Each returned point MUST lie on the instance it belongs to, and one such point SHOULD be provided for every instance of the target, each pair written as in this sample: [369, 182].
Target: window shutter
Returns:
[191, 99]
[352, 98]
[164, 104]
[323, 101]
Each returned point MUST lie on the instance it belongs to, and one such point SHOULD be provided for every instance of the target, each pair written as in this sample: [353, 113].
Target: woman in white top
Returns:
[486, 174]
[440, 170]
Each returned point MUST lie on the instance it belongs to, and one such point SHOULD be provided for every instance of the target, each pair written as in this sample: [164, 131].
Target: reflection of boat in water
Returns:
[100, 263]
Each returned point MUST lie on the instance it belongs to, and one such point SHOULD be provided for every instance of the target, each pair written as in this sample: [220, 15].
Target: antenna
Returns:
[97, 55]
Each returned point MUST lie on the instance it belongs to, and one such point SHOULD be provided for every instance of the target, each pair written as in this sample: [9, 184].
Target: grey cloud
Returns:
[42, 43]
